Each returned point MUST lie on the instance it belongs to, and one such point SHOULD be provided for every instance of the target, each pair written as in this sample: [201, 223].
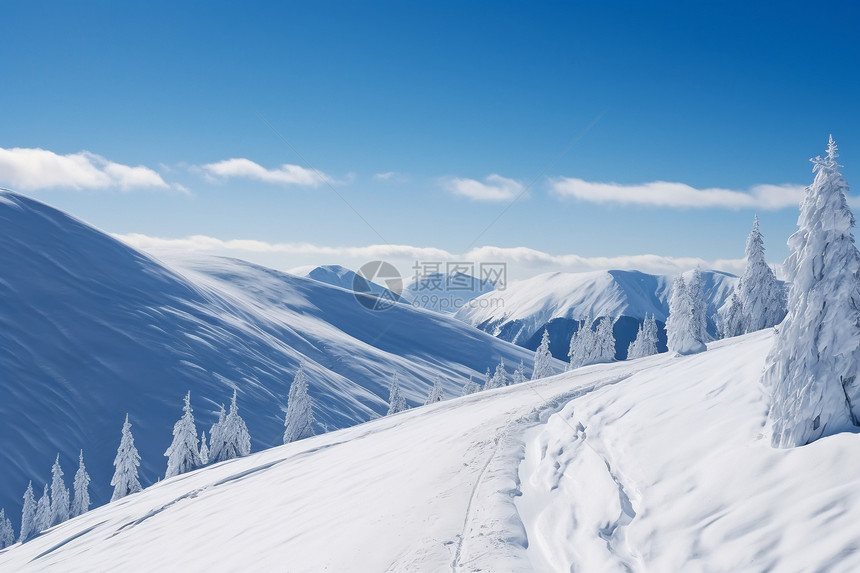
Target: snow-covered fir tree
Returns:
[471, 387]
[235, 441]
[733, 323]
[126, 462]
[43, 511]
[183, 455]
[813, 366]
[604, 341]
[543, 358]
[299, 420]
[646, 339]
[7, 532]
[28, 515]
[396, 400]
[437, 394]
[519, 374]
[582, 343]
[59, 495]
[204, 449]
[761, 295]
[499, 379]
[81, 500]
[698, 305]
[488, 379]
[682, 332]
[216, 434]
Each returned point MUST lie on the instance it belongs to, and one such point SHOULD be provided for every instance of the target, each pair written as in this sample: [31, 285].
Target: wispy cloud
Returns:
[385, 176]
[494, 188]
[679, 195]
[522, 261]
[33, 169]
[286, 174]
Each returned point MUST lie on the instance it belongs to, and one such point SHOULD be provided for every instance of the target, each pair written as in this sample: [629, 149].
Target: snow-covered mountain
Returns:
[91, 329]
[342, 277]
[445, 293]
[657, 464]
[558, 301]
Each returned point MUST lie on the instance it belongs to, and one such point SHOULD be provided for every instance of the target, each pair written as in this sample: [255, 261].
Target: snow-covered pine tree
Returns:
[543, 359]
[488, 380]
[604, 341]
[683, 334]
[813, 365]
[299, 420]
[499, 379]
[437, 394]
[396, 400]
[59, 495]
[28, 515]
[584, 346]
[126, 462]
[646, 339]
[81, 501]
[519, 375]
[235, 440]
[216, 434]
[699, 306]
[204, 449]
[43, 512]
[7, 532]
[183, 455]
[761, 295]
[471, 387]
[734, 321]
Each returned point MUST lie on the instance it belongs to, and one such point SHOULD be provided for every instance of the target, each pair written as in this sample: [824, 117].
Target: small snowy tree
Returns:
[471, 387]
[604, 341]
[28, 515]
[7, 533]
[734, 321]
[437, 394]
[183, 455]
[216, 435]
[519, 375]
[699, 323]
[204, 449]
[81, 501]
[43, 511]
[499, 379]
[761, 295]
[682, 332]
[543, 359]
[396, 401]
[488, 380]
[813, 365]
[582, 346]
[646, 339]
[59, 495]
[126, 462]
[235, 441]
[299, 420]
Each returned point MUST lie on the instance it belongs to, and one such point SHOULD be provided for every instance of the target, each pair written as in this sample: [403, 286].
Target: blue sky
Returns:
[428, 119]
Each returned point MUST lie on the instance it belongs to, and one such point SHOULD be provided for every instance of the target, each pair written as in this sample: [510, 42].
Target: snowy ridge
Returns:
[557, 301]
[653, 465]
[91, 329]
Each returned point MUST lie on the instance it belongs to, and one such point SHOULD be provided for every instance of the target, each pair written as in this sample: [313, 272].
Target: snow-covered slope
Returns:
[651, 465]
[91, 329]
[445, 293]
[342, 277]
[557, 301]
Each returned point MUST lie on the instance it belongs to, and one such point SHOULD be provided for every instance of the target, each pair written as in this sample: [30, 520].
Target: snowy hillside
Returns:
[557, 301]
[91, 329]
[339, 276]
[445, 293]
[651, 465]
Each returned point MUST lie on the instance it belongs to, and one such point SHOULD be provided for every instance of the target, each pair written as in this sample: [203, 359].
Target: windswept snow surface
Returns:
[91, 329]
[652, 465]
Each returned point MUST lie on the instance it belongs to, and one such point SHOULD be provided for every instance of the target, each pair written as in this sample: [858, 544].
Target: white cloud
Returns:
[286, 174]
[522, 262]
[494, 188]
[384, 176]
[668, 194]
[32, 169]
